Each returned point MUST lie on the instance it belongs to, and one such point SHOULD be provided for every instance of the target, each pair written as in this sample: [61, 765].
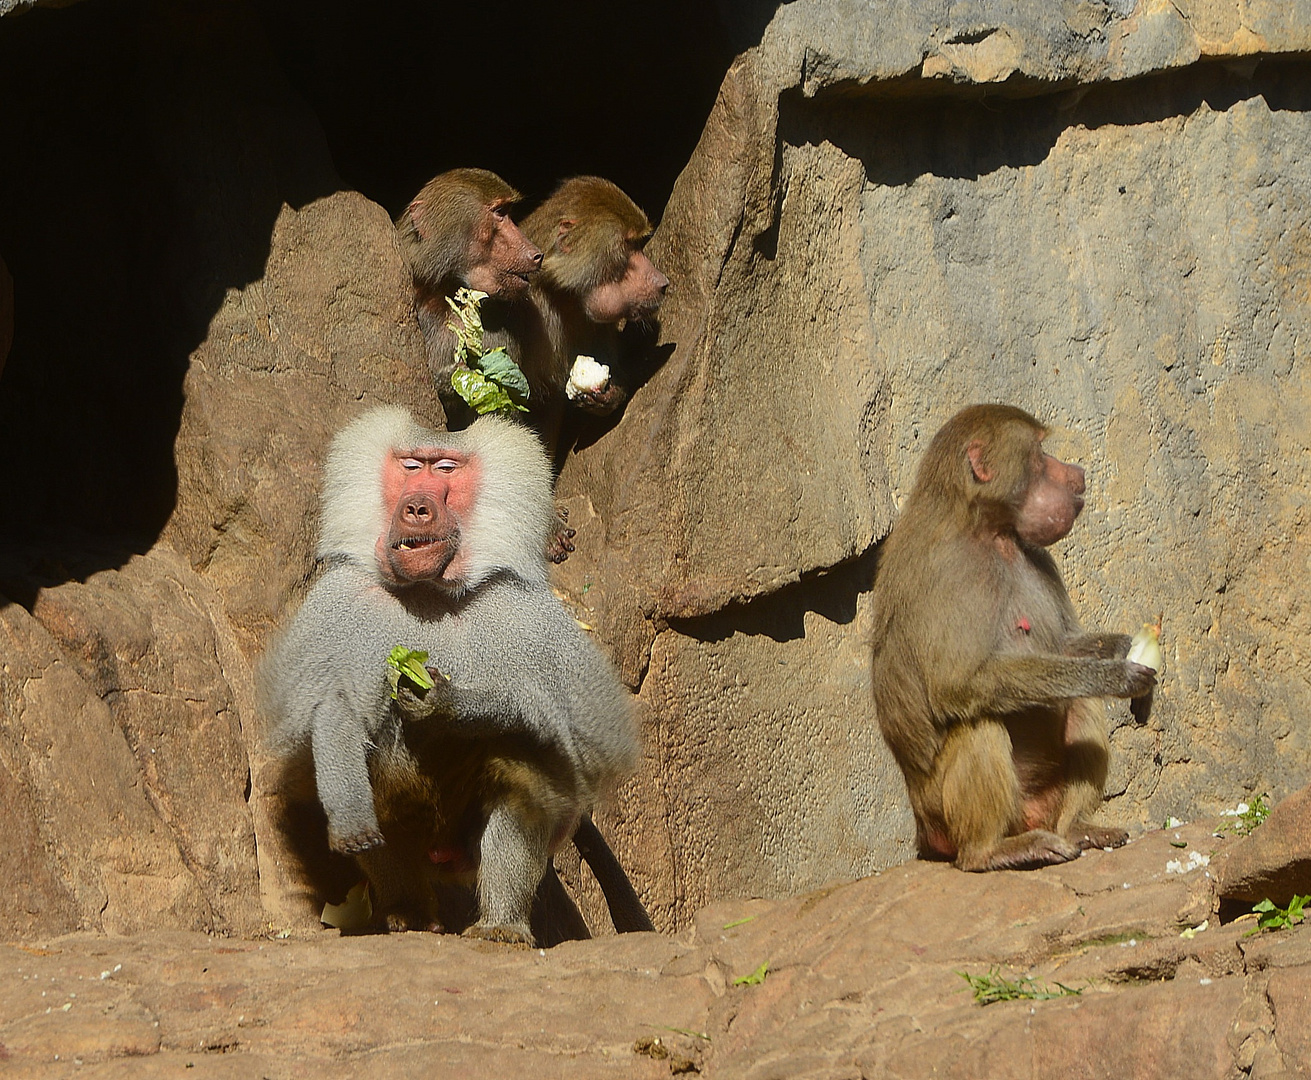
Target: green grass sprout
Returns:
[994, 987]
[755, 978]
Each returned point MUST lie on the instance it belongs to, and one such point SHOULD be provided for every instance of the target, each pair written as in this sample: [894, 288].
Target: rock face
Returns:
[1274, 862]
[888, 218]
[861, 979]
[1092, 209]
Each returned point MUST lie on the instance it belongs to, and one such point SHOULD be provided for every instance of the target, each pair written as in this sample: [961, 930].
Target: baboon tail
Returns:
[626, 910]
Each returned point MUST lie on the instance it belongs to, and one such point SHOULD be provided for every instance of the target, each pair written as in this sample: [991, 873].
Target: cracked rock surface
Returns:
[863, 979]
[1092, 210]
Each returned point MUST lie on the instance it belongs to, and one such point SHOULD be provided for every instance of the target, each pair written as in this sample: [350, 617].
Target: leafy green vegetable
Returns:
[1272, 917]
[490, 382]
[755, 978]
[993, 987]
[482, 394]
[403, 663]
[498, 366]
[467, 326]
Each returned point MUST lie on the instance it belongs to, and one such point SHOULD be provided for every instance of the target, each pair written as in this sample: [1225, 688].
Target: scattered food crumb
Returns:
[1195, 860]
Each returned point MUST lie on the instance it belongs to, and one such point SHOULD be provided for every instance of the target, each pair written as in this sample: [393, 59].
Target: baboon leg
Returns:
[513, 861]
[981, 803]
[1087, 756]
[556, 917]
[402, 897]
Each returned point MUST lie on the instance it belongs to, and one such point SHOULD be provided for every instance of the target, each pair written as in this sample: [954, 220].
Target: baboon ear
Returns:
[415, 210]
[562, 234]
[981, 471]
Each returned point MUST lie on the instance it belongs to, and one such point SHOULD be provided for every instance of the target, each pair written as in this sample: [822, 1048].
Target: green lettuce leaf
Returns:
[483, 394]
[403, 663]
[498, 367]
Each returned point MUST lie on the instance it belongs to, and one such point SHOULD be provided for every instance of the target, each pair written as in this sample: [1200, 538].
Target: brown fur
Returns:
[979, 661]
[591, 235]
[435, 229]
[457, 232]
[431, 796]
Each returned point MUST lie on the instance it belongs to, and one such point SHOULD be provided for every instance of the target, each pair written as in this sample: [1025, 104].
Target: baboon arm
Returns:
[473, 713]
[1099, 645]
[1007, 684]
[338, 738]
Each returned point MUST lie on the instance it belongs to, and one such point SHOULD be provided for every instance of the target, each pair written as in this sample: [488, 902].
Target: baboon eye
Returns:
[410, 464]
[447, 465]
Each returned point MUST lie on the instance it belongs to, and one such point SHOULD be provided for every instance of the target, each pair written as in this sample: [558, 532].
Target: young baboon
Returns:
[434, 541]
[980, 668]
[458, 232]
[594, 278]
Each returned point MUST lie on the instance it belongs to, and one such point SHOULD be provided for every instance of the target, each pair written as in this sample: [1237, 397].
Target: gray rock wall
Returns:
[897, 210]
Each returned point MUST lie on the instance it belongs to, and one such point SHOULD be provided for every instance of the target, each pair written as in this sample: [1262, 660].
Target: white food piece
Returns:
[586, 376]
[355, 913]
[1145, 648]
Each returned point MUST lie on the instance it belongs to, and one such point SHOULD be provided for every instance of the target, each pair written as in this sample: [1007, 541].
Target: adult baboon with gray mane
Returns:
[434, 541]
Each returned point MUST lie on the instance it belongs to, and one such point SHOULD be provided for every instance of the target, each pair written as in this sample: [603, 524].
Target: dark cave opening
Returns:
[150, 146]
[534, 92]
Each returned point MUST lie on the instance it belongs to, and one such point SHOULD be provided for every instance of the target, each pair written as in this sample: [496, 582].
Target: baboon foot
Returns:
[1028, 851]
[1096, 836]
[508, 934]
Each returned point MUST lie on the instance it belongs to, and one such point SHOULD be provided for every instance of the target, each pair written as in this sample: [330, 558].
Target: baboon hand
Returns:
[561, 544]
[601, 402]
[370, 836]
[417, 705]
[1138, 680]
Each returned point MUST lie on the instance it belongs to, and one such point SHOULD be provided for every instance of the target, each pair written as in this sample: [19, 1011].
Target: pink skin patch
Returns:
[454, 860]
[1023, 624]
[457, 860]
[1042, 808]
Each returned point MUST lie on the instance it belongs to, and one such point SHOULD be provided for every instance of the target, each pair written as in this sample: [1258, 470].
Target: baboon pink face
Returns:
[501, 259]
[1053, 502]
[429, 493]
[636, 295]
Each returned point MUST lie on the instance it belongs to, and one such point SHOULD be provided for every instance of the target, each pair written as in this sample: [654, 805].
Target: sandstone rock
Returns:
[887, 219]
[860, 979]
[98, 855]
[1274, 862]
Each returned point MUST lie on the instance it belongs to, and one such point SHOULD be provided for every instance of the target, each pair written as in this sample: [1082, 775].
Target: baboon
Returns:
[458, 232]
[981, 671]
[595, 277]
[434, 541]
